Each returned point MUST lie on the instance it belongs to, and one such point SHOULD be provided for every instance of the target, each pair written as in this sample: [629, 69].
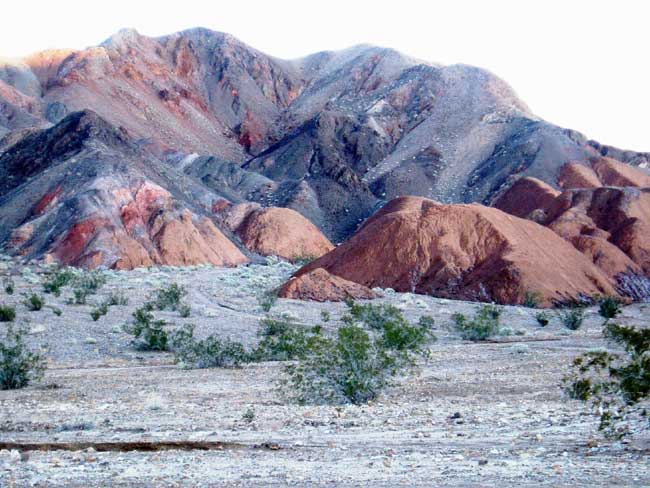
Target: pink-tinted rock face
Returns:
[460, 251]
[526, 196]
[618, 217]
[599, 172]
[275, 231]
[320, 286]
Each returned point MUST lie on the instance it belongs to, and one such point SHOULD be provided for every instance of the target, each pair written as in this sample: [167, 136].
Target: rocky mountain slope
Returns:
[333, 135]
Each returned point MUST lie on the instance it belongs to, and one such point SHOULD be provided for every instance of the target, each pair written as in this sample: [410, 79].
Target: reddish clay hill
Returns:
[457, 251]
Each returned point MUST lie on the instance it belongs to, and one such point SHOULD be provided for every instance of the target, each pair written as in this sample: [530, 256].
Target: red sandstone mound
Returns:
[275, 231]
[467, 252]
[601, 172]
[526, 196]
[321, 286]
[610, 224]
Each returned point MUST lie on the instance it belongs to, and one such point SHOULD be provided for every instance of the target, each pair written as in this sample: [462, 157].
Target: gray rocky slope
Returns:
[332, 135]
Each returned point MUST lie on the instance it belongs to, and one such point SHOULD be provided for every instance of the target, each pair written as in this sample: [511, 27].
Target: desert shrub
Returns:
[374, 345]
[117, 298]
[7, 313]
[84, 285]
[148, 334]
[304, 260]
[616, 384]
[99, 311]
[267, 300]
[283, 340]
[57, 280]
[532, 299]
[249, 415]
[542, 318]
[8, 285]
[57, 311]
[19, 366]
[609, 307]
[352, 368]
[169, 298]
[484, 325]
[325, 316]
[184, 310]
[34, 302]
[572, 318]
[210, 352]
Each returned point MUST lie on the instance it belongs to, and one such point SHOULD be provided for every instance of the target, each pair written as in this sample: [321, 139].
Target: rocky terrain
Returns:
[333, 135]
[474, 414]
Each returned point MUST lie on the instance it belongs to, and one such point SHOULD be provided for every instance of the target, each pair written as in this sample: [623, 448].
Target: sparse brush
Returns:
[484, 325]
[325, 316]
[210, 352]
[9, 285]
[304, 260]
[98, 312]
[617, 384]
[532, 299]
[57, 280]
[267, 300]
[117, 298]
[34, 302]
[149, 334]
[542, 319]
[7, 313]
[184, 310]
[609, 307]
[169, 298]
[19, 366]
[283, 340]
[572, 318]
[249, 415]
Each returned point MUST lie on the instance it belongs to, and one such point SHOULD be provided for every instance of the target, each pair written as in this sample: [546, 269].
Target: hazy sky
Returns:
[579, 64]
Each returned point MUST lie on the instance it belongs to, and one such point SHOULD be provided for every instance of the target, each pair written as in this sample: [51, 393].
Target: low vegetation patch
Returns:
[99, 312]
[7, 313]
[19, 365]
[283, 340]
[532, 299]
[56, 280]
[609, 307]
[572, 318]
[8, 285]
[210, 352]
[482, 326]
[542, 319]
[615, 383]
[148, 333]
[267, 300]
[169, 298]
[34, 302]
[117, 298]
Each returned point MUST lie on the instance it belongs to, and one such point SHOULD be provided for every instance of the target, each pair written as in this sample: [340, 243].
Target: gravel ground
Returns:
[473, 415]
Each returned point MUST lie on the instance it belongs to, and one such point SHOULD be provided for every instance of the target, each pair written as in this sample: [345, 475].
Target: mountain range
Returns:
[143, 150]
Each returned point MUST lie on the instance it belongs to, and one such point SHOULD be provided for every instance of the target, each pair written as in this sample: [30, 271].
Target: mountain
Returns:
[333, 135]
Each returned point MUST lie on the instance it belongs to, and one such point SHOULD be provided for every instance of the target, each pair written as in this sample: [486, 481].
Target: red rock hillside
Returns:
[467, 252]
[275, 231]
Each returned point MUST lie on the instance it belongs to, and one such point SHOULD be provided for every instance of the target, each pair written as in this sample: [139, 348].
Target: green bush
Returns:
[532, 299]
[249, 415]
[84, 285]
[9, 285]
[184, 310]
[34, 302]
[374, 345]
[484, 325]
[57, 280]
[283, 340]
[169, 298]
[19, 366]
[7, 313]
[267, 300]
[542, 318]
[210, 352]
[353, 368]
[98, 312]
[609, 307]
[615, 383]
[148, 334]
[572, 318]
[117, 298]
